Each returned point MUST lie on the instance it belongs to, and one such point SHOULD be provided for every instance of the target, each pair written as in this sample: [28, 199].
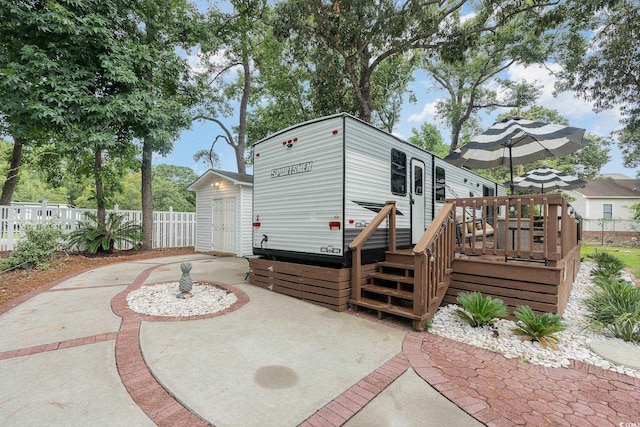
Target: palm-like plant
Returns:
[607, 265]
[536, 327]
[614, 304]
[94, 237]
[478, 310]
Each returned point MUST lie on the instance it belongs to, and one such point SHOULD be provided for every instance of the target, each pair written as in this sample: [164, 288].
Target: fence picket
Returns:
[170, 229]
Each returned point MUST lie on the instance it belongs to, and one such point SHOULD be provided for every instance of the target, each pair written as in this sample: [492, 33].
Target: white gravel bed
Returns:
[161, 300]
[574, 341]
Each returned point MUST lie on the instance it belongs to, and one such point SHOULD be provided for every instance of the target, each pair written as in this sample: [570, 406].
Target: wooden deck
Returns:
[533, 269]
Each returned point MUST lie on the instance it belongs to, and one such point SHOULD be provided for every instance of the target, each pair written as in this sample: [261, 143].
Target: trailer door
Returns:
[418, 200]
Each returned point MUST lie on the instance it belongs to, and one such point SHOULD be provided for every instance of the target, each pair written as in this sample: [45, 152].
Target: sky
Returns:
[579, 113]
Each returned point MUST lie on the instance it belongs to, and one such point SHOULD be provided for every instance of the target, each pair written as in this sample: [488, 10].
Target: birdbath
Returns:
[185, 282]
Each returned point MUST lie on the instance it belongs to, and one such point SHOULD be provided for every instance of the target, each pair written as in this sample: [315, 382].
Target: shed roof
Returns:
[234, 177]
[611, 188]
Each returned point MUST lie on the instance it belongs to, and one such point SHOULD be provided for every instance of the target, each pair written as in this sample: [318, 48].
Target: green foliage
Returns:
[38, 246]
[635, 209]
[478, 310]
[538, 327]
[607, 265]
[629, 255]
[614, 305]
[116, 231]
[591, 68]
[429, 138]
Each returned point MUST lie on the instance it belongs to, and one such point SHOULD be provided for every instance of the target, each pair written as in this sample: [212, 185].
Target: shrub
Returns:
[478, 310]
[93, 237]
[38, 246]
[538, 327]
[607, 265]
[614, 305]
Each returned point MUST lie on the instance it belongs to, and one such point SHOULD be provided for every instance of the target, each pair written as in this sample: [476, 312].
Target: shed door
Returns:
[224, 225]
[417, 200]
[218, 226]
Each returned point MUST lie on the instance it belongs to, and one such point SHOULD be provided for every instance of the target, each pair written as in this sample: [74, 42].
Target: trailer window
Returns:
[398, 172]
[417, 180]
[441, 194]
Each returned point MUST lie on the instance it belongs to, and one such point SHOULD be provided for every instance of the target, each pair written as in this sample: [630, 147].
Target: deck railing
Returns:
[542, 227]
[433, 256]
[388, 211]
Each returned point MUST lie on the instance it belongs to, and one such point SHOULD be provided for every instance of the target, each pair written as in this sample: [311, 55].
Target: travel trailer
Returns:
[319, 183]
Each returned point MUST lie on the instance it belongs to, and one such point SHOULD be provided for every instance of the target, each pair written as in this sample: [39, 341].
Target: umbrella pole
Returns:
[511, 185]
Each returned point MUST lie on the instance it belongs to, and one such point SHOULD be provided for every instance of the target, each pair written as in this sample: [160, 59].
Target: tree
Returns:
[601, 58]
[240, 31]
[472, 82]
[357, 38]
[75, 69]
[429, 138]
[180, 177]
[162, 105]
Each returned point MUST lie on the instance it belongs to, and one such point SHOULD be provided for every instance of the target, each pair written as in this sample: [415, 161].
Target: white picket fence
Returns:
[170, 229]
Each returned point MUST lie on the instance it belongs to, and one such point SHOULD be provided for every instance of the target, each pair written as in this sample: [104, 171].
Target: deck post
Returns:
[392, 226]
[552, 232]
[419, 283]
[356, 271]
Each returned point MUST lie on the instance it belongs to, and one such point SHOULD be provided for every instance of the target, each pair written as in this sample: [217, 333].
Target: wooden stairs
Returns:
[394, 289]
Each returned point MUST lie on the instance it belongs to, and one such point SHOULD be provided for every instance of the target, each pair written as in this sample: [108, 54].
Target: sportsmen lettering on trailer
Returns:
[290, 170]
[319, 183]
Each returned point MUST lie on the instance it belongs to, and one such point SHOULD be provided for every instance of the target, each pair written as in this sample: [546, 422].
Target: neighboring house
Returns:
[223, 212]
[605, 204]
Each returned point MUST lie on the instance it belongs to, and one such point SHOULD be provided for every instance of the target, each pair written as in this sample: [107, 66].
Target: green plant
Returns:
[478, 310]
[629, 255]
[94, 237]
[614, 305]
[608, 265]
[37, 247]
[538, 327]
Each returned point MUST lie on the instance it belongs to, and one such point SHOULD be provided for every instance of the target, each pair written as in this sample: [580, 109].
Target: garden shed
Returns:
[223, 212]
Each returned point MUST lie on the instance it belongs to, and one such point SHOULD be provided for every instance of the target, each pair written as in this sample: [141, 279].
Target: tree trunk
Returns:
[241, 144]
[455, 137]
[12, 174]
[147, 196]
[97, 174]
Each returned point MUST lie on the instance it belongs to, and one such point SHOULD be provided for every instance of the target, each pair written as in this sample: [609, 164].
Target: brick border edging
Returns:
[350, 402]
[157, 402]
[58, 345]
[120, 307]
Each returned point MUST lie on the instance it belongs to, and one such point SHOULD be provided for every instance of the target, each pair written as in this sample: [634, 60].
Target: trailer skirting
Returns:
[324, 286]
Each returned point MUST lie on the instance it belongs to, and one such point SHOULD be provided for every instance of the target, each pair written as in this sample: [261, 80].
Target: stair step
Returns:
[387, 308]
[398, 265]
[387, 291]
[392, 277]
[400, 257]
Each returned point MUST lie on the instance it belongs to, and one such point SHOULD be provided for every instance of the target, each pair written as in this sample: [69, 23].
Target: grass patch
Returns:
[630, 256]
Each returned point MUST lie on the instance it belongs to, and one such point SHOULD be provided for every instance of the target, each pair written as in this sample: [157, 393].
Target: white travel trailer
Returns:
[317, 184]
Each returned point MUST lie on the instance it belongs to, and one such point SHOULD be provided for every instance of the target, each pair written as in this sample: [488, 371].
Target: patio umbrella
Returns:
[545, 178]
[519, 141]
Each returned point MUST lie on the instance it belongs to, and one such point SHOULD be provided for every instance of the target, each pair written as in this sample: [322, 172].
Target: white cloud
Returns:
[428, 113]
[578, 111]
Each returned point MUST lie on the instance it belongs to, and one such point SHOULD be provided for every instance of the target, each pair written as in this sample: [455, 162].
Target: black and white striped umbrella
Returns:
[545, 178]
[518, 141]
